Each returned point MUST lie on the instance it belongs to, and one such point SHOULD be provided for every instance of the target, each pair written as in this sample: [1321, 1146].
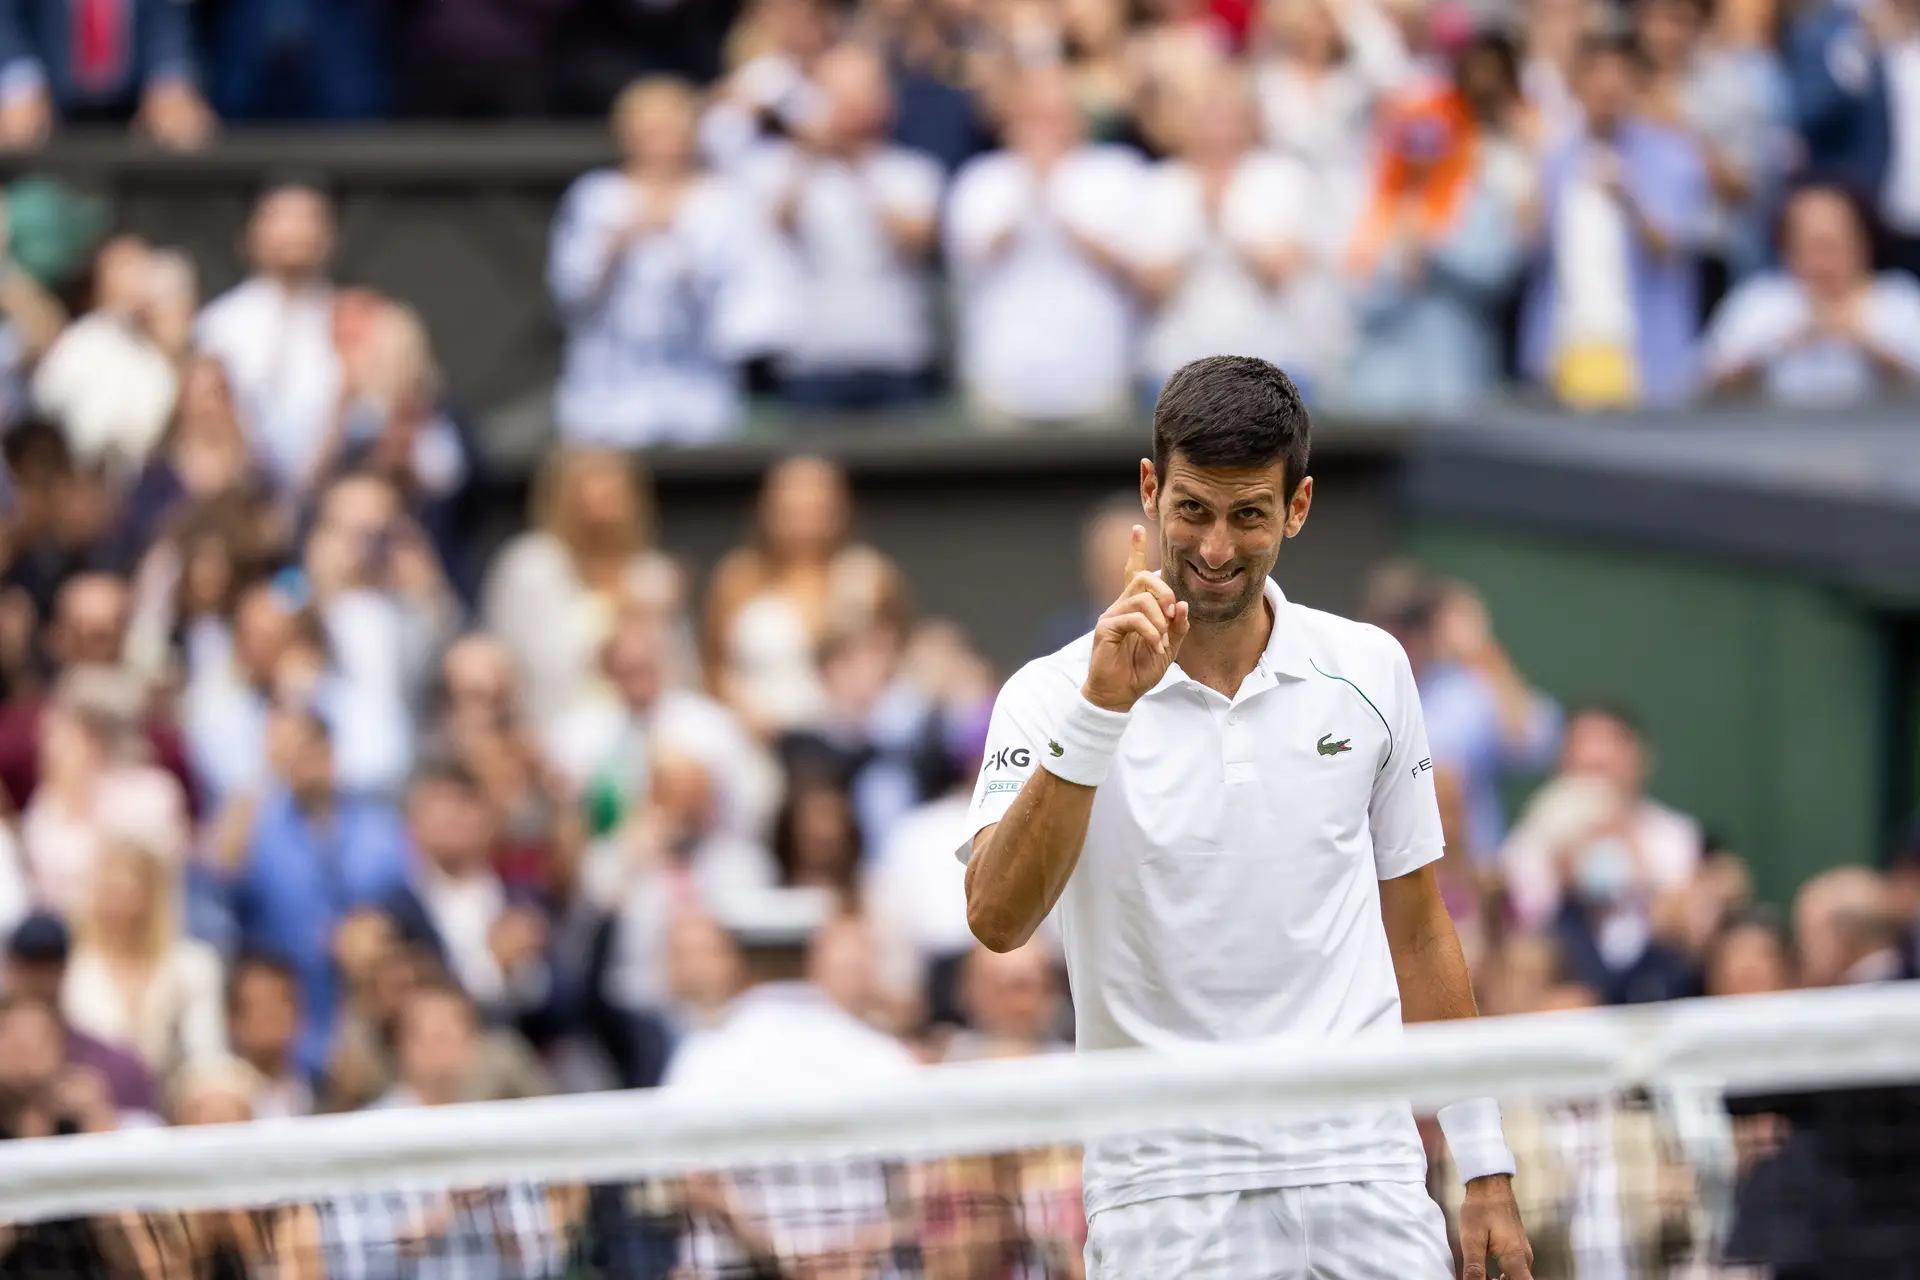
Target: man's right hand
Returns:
[1137, 638]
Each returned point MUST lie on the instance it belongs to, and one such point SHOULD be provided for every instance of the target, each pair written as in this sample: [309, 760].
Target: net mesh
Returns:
[1770, 1136]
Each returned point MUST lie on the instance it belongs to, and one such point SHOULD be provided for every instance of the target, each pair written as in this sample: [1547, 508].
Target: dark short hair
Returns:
[1866, 219]
[1234, 412]
[1605, 709]
[1609, 42]
[249, 963]
[445, 770]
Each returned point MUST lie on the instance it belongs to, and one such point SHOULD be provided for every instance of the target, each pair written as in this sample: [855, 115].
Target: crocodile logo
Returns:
[1328, 747]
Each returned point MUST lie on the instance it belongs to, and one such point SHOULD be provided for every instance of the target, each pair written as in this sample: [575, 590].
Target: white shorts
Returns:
[1339, 1231]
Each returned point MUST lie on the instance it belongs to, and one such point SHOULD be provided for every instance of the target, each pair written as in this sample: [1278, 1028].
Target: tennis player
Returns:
[1228, 798]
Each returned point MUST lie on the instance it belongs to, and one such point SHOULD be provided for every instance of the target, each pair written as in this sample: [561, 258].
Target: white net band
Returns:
[1798, 1041]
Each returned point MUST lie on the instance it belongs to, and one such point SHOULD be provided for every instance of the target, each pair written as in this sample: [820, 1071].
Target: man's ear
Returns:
[1298, 505]
[1149, 490]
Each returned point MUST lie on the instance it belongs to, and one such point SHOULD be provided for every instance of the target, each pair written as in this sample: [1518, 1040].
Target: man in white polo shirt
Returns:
[1240, 846]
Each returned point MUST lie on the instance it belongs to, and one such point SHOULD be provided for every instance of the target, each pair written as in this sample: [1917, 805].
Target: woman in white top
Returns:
[1223, 245]
[1320, 67]
[553, 591]
[772, 601]
[1826, 331]
[133, 981]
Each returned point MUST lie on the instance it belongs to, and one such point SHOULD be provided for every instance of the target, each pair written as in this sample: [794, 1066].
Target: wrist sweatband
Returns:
[1081, 749]
[1474, 1136]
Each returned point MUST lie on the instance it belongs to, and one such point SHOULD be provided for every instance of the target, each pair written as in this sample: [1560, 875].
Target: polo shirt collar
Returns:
[1285, 656]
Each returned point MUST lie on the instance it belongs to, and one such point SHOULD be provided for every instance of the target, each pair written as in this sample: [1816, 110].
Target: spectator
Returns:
[1227, 250]
[1748, 957]
[263, 1021]
[380, 593]
[1900, 193]
[704, 974]
[133, 981]
[857, 217]
[1434, 254]
[274, 332]
[96, 786]
[329, 65]
[784, 1030]
[111, 377]
[1730, 94]
[604, 747]
[771, 602]
[314, 855]
[1485, 723]
[65, 512]
[651, 269]
[188, 585]
[38, 951]
[1826, 332]
[1100, 62]
[455, 907]
[1106, 539]
[67, 58]
[1844, 931]
[1040, 246]
[1612, 314]
[483, 728]
[1838, 81]
[1012, 1005]
[1321, 66]
[1487, 74]
[1551, 35]
[552, 593]
[1177, 45]
[1603, 749]
[224, 707]
[771, 89]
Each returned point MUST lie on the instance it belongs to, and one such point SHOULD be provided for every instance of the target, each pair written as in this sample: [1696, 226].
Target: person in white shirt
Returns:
[1228, 801]
[1826, 332]
[782, 1032]
[1223, 243]
[274, 332]
[857, 218]
[1039, 238]
[646, 265]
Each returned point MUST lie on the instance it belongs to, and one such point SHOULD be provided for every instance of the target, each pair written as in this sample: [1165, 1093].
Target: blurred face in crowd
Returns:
[1599, 746]
[1668, 30]
[1487, 79]
[1044, 120]
[1608, 86]
[1748, 959]
[351, 538]
[207, 575]
[1220, 532]
[655, 122]
[1104, 549]
[823, 841]
[682, 789]
[437, 1044]
[1823, 244]
[858, 668]
[298, 751]
[636, 659]
[1525, 970]
[803, 509]
[121, 275]
[1306, 30]
[858, 91]
[1094, 26]
[798, 28]
[264, 1017]
[291, 236]
[32, 1048]
[36, 979]
[213, 1104]
[71, 752]
[703, 965]
[451, 824]
[842, 961]
[90, 620]
[1839, 918]
[263, 626]
[1219, 122]
[1010, 995]
[478, 672]
[208, 449]
[126, 898]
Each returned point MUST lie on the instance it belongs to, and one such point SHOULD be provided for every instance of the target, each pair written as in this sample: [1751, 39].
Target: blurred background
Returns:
[490, 481]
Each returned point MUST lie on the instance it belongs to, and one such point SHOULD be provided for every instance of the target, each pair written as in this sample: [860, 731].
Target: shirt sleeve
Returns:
[1404, 812]
[1893, 320]
[1749, 326]
[1016, 736]
[909, 184]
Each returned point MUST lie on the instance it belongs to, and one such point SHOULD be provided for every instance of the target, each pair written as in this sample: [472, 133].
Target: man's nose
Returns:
[1216, 548]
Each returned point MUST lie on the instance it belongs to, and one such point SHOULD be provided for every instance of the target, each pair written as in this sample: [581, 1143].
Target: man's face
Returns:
[437, 1043]
[1599, 746]
[91, 620]
[36, 979]
[265, 1016]
[292, 233]
[1824, 247]
[1607, 85]
[451, 825]
[32, 1049]
[1220, 531]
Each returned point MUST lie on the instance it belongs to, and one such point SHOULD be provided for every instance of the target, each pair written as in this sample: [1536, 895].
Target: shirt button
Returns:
[1233, 718]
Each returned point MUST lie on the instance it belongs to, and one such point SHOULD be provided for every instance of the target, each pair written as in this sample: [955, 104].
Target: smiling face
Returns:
[1221, 530]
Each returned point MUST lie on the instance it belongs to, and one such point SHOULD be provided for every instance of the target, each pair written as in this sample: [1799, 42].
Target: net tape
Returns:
[1802, 1040]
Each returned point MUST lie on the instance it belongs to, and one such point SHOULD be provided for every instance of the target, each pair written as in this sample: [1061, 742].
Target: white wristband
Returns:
[1474, 1136]
[1081, 749]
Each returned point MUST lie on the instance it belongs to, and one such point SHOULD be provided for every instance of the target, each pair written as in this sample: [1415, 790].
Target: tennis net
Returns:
[1680, 1139]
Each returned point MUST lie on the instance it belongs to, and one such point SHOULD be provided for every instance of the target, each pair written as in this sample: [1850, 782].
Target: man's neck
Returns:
[1220, 655]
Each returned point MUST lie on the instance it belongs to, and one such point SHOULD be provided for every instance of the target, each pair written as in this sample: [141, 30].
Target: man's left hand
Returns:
[1490, 1228]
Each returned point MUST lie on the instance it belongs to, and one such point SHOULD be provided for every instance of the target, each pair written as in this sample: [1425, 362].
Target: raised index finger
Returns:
[1137, 553]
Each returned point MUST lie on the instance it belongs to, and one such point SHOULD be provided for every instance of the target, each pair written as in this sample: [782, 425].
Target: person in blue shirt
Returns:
[1837, 79]
[316, 857]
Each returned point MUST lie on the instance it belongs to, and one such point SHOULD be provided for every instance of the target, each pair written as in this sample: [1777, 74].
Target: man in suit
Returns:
[99, 59]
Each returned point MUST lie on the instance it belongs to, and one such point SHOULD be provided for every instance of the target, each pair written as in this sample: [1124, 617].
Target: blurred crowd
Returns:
[1045, 206]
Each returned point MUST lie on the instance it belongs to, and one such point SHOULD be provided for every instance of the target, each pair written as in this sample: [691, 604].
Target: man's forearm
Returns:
[1018, 871]
[1428, 964]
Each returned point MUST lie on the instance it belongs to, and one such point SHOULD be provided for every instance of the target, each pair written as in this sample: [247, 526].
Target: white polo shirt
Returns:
[1228, 889]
